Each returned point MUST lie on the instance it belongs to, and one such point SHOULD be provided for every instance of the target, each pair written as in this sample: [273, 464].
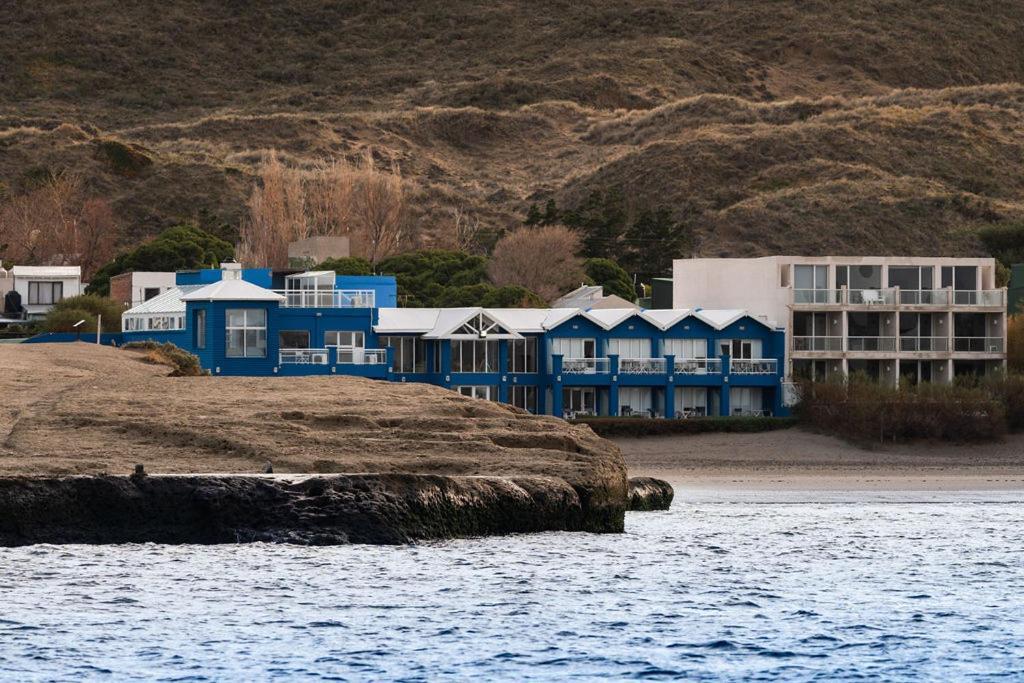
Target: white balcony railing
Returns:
[357, 356]
[871, 297]
[978, 344]
[871, 343]
[327, 298]
[642, 366]
[824, 297]
[302, 357]
[698, 366]
[753, 366]
[924, 297]
[817, 343]
[979, 297]
[940, 344]
[585, 366]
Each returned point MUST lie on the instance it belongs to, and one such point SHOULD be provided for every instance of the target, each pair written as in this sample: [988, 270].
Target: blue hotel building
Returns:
[560, 361]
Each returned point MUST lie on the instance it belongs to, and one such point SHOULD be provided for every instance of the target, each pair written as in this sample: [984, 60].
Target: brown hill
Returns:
[884, 126]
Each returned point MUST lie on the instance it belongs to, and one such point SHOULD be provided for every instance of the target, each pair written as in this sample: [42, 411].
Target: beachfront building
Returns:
[35, 289]
[917, 318]
[558, 361]
[136, 287]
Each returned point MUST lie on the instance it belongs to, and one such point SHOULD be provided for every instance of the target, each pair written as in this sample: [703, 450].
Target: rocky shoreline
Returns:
[303, 509]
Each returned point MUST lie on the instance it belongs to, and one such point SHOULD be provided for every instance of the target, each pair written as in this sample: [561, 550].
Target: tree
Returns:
[88, 307]
[653, 241]
[542, 260]
[1005, 241]
[276, 215]
[611, 276]
[602, 220]
[183, 247]
[1015, 342]
[55, 223]
[349, 265]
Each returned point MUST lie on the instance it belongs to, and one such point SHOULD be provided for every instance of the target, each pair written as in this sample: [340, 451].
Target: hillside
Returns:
[772, 126]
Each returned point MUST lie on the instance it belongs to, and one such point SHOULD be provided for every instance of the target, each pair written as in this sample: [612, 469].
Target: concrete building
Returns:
[135, 287]
[590, 297]
[555, 361]
[40, 287]
[921, 318]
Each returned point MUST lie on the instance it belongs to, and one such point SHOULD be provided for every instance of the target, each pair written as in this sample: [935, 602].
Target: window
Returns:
[409, 355]
[488, 393]
[859, 277]
[746, 401]
[910, 277]
[150, 292]
[476, 355]
[524, 397]
[691, 401]
[522, 355]
[808, 283]
[350, 344]
[685, 348]
[629, 348]
[164, 322]
[45, 293]
[293, 339]
[960, 278]
[246, 331]
[581, 400]
[740, 348]
[199, 323]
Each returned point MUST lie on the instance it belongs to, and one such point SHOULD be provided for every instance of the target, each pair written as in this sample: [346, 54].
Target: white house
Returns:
[135, 287]
[41, 287]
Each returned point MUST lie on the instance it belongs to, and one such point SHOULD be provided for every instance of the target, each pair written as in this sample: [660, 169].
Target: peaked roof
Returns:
[168, 302]
[232, 290]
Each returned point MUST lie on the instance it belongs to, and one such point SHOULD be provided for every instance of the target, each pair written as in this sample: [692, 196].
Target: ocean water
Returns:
[729, 586]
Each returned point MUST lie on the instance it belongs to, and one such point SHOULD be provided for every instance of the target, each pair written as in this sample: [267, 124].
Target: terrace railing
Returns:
[924, 297]
[978, 344]
[585, 366]
[698, 366]
[979, 297]
[302, 357]
[817, 343]
[871, 297]
[355, 356]
[642, 366]
[327, 298]
[940, 344]
[871, 343]
[825, 297]
[753, 366]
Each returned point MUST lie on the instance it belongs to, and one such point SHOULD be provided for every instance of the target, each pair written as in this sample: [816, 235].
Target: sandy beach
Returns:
[796, 460]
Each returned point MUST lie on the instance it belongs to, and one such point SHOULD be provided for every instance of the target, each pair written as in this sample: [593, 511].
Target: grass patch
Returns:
[124, 160]
[645, 426]
[185, 364]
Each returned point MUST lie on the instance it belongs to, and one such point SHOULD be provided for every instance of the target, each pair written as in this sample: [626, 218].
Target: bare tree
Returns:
[276, 215]
[381, 210]
[466, 231]
[543, 260]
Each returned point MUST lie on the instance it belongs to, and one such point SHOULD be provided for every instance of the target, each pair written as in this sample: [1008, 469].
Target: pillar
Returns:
[670, 386]
[503, 368]
[446, 363]
[724, 410]
[613, 388]
[556, 385]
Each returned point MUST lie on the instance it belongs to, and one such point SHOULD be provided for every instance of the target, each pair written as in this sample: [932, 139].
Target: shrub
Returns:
[1005, 241]
[541, 259]
[87, 307]
[645, 426]
[348, 265]
[185, 364]
[124, 160]
[611, 276]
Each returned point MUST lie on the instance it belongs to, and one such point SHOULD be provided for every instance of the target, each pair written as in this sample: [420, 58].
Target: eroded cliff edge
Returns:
[356, 460]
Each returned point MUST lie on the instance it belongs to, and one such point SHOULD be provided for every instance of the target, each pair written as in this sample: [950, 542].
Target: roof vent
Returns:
[232, 270]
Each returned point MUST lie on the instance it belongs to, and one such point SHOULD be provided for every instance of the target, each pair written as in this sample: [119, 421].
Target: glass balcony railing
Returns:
[884, 344]
[978, 344]
[302, 357]
[698, 366]
[817, 343]
[916, 344]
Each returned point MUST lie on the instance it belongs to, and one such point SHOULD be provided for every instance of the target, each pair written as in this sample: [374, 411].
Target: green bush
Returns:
[645, 426]
[185, 364]
[88, 307]
[183, 247]
[124, 160]
[1005, 241]
[611, 276]
[349, 265]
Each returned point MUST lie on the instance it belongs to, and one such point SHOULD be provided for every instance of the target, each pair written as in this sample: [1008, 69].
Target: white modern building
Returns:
[40, 287]
[921, 318]
[135, 287]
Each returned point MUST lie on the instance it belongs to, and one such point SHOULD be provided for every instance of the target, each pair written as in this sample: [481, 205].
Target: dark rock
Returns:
[268, 468]
[305, 509]
[648, 493]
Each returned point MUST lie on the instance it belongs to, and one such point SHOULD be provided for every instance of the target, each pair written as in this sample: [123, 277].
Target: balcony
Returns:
[821, 297]
[817, 343]
[640, 366]
[924, 297]
[918, 344]
[871, 297]
[978, 344]
[303, 357]
[585, 366]
[753, 366]
[356, 356]
[980, 297]
[698, 366]
[882, 344]
[327, 298]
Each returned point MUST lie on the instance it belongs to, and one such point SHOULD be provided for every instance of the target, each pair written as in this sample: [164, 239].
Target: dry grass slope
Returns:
[886, 125]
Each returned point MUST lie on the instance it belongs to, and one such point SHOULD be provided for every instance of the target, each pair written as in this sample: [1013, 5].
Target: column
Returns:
[446, 363]
[724, 408]
[670, 386]
[503, 369]
[556, 385]
[613, 388]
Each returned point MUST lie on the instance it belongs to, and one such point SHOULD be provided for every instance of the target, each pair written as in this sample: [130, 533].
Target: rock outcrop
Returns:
[648, 493]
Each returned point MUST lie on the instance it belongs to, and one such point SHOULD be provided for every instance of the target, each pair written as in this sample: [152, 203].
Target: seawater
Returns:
[727, 586]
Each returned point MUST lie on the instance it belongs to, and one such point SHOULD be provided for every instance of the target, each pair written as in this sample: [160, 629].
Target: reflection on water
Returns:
[785, 587]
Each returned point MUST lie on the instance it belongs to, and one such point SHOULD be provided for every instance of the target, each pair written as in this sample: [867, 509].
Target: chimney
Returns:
[231, 270]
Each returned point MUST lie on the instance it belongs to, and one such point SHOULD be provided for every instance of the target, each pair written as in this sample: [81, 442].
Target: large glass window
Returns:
[809, 284]
[685, 348]
[579, 400]
[859, 277]
[475, 355]
[410, 353]
[960, 278]
[488, 393]
[246, 331]
[524, 397]
[45, 293]
[351, 345]
[199, 325]
[629, 348]
[522, 355]
[911, 277]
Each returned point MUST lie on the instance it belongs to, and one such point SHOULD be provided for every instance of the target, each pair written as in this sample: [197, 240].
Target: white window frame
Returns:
[246, 328]
[524, 396]
[53, 288]
[520, 358]
[476, 364]
[487, 392]
[200, 323]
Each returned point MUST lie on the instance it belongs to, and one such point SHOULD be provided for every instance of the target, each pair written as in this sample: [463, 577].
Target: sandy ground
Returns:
[790, 460]
[83, 409]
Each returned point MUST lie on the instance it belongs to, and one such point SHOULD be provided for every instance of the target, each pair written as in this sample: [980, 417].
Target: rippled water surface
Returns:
[729, 587]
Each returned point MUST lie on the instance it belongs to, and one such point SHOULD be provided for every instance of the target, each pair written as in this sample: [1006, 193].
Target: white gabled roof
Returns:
[168, 302]
[232, 290]
[438, 323]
